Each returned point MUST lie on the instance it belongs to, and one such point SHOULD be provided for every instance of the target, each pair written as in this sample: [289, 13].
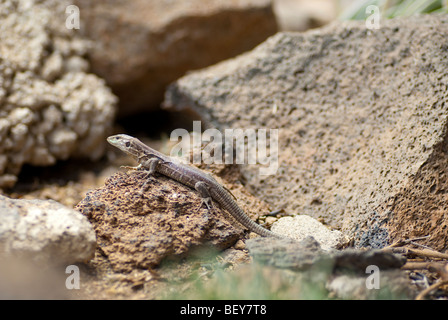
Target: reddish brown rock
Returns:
[167, 220]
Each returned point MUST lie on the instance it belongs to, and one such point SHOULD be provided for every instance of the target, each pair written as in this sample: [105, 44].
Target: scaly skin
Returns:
[154, 161]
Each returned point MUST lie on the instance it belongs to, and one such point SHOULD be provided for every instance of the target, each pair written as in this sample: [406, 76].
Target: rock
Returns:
[233, 258]
[167, 221]
[141, 46]
[288, 253]
[50, 108]
[393, 285]
[285, 253]
[44, 230]
[302, 226]
[362, 119]
[343, 272]
[358, 260]
[368, 274]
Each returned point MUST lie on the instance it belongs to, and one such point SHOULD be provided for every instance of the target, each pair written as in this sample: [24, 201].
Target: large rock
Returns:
[141, 46]
[44, 231]
[50, 107]
[139, 222]
[362, 118]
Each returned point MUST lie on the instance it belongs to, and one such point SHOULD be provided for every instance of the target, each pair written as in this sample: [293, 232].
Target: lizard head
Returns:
[125, 143]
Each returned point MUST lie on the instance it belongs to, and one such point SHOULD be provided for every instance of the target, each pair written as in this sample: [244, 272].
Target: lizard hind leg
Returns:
[201, 187]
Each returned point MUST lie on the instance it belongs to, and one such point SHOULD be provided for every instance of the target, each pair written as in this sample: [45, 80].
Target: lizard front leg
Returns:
[132, 168]
[150, 166]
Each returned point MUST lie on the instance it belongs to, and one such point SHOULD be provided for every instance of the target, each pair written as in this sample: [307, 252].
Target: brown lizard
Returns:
[154, 161]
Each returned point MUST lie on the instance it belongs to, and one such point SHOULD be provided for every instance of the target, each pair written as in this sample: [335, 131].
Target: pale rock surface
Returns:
[44, 230]
[303, 226]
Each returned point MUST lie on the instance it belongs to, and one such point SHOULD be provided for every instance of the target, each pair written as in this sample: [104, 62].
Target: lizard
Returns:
[154, 161]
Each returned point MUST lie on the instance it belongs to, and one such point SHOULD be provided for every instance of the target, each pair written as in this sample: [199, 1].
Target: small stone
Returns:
[240, 245]
[52, 67]
[302, 226]
[270, 220]
[234, 257]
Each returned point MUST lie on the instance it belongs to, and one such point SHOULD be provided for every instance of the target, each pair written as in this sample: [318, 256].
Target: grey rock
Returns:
[362, 123]
[285, 253]
[301, 15]
[344, 273]
[298, 255]
[44, 230]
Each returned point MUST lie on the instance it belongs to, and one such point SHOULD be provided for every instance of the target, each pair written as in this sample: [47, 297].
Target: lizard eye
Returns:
[127, 144]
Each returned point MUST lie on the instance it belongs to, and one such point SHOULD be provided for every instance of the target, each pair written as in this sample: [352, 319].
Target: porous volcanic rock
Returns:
[51, 108]
[362, 119]
[139, 228]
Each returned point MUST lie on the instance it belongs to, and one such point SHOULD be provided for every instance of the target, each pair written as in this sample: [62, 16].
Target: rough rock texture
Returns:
[300, 255]
[363, 123]
[50, 108]
[285, 253]
[141, 46]
[302, 226]
[138, 230]
[343, 272]
[44, 230]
